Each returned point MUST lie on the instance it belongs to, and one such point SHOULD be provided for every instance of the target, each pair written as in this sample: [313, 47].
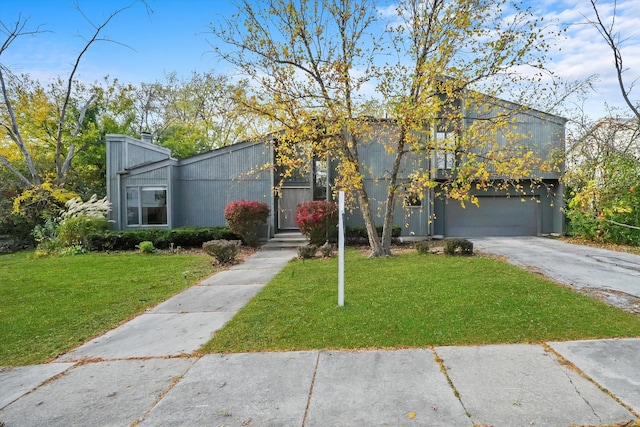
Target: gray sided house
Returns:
[150, 189]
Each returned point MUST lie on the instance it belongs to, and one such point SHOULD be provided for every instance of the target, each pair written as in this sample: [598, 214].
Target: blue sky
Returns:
[172, 36]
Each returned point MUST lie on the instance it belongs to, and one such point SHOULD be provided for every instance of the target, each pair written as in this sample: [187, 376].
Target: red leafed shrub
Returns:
[244, 217]
[317, 220]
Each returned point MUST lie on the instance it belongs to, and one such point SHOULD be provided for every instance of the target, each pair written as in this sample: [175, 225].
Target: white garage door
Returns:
[496, 216]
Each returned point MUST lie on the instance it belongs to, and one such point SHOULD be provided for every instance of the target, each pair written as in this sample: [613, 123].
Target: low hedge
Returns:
[355, 234]
[187, 237]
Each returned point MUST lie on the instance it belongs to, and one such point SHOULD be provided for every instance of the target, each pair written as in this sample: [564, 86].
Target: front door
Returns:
[416, 214]
[291, 197]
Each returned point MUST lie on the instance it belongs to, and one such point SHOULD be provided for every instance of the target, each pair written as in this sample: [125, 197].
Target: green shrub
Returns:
[245, 218]
[72, 250]
[458, 246]
[224, 251]
[317, 219]
[354, 234]
[46, 237]
[307, 251]
[76, 230]
[423, 247]
[188, 237]
[146, 247]
[326, 250]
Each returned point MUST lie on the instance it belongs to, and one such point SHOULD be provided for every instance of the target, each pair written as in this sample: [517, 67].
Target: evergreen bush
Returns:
[423, 247]
[224, 251]
[307, 251]
[458, 246]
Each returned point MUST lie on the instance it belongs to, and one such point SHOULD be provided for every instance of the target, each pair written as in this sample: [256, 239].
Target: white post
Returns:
[341, 249]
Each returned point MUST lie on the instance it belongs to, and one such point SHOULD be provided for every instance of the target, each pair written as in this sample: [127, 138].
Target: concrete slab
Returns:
[394, 388]
[201, 299]
[97, 394]
[280, 253]
[262, 263]
[611, 363]
[267, 259]
[507, 385]
[242, 277]
[256, 389]
[18, 381]
[153, 335]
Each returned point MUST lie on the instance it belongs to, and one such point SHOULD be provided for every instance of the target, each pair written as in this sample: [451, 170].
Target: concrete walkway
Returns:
[146, 372]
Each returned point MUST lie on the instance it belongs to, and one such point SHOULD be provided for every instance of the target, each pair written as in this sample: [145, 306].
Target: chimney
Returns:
[146, 137]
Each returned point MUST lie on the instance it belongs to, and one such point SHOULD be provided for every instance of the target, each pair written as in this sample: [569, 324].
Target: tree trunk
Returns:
[387, 225]
[370, 225]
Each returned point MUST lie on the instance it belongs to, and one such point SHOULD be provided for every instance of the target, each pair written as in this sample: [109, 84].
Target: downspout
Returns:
[271, 227]
[120, 202]
[170, 196]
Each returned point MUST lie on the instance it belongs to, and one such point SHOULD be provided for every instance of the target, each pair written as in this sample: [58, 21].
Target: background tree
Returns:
[65, 117]
[194, 115]
[312, 62]
[604, 157]
[44, 127]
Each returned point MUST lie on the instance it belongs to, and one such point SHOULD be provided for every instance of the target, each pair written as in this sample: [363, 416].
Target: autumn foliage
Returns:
[245, 217]
[317, 220]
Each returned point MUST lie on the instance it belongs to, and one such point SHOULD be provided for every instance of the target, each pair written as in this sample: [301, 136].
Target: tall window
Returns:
[320, 179]
[146, 206]
[445, 150]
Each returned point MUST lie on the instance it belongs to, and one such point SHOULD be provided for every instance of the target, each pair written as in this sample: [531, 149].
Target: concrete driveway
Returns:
[611, 276]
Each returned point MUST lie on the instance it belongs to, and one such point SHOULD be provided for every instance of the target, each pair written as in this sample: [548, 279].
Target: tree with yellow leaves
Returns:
[318, 66]
[44, 128]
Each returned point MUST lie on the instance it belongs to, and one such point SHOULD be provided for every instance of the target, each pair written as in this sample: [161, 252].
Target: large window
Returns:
[146, 206]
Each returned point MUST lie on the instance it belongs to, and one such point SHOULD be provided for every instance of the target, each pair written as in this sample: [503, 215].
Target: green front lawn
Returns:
[51, 305]
[415, 300]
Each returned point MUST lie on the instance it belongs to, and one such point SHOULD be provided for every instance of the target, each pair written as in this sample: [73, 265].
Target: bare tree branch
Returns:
[613, 40]
[12, 33]
[63, 166]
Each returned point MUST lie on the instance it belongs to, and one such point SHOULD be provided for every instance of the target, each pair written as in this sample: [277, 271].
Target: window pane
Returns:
[133, 217]
[320, 180]
[154, 206]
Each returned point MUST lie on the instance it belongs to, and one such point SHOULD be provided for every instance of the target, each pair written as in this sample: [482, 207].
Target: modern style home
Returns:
[150, 189]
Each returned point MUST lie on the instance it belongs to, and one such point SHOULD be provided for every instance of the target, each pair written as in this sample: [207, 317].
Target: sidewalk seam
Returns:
[562, 361]
[456, 393]
[313, 382]
[174, 381]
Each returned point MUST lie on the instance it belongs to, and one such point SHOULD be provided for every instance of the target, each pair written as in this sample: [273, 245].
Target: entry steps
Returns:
[286, 240]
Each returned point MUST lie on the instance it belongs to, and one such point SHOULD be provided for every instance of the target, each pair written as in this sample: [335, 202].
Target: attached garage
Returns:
[496, 216]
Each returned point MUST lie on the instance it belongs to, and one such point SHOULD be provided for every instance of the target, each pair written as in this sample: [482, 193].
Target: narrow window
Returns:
[133, 211]
[320, 180]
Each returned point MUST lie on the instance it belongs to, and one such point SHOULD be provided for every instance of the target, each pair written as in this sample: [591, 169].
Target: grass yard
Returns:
[415, 300]
[50, 305]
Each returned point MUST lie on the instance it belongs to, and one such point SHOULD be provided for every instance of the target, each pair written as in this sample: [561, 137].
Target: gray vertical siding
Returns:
[124, 152]
[199, 187]
[205, 184]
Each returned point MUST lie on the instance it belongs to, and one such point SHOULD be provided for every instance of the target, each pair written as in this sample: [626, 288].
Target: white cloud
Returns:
[583, 52]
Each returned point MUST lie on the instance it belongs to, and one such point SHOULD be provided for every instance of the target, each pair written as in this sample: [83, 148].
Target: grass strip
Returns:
[415, 300]
[51, 305]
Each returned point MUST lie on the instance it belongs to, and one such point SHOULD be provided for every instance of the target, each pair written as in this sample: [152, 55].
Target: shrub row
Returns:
[355, 234]
[188, 237]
